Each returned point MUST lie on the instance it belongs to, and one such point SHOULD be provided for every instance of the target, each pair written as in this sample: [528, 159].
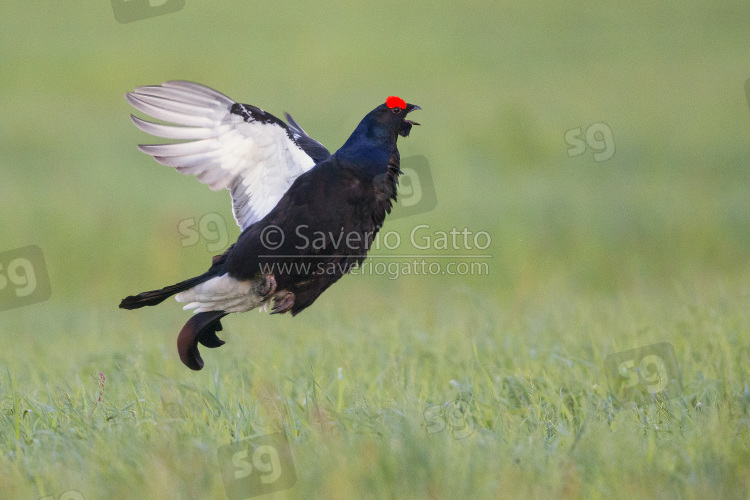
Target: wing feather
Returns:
[172, 132]
[229, 145]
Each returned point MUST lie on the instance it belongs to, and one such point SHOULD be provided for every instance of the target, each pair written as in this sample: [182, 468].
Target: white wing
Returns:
[231, 146]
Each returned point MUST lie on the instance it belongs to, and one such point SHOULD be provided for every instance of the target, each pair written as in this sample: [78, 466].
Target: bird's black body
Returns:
[321, 227]
[327, 219]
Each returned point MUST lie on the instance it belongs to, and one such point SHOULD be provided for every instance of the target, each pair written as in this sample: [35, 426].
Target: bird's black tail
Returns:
[202, 327]
[158, 296]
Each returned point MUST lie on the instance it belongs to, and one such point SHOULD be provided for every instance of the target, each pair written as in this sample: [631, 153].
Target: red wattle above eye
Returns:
[395, 102]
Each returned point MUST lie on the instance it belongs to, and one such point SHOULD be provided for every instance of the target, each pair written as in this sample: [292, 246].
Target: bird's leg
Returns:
[268, 287]
[283, 301]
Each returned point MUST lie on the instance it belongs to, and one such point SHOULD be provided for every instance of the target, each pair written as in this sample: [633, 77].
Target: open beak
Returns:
[409, 109]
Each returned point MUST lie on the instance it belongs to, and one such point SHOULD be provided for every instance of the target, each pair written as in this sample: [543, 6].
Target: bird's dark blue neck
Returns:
[369, 148]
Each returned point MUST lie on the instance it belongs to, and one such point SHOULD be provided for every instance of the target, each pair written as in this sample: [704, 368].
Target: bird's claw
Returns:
[268, 288]
[282, 302]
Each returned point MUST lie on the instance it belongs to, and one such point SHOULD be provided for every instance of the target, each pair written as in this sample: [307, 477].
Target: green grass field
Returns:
[487, 385]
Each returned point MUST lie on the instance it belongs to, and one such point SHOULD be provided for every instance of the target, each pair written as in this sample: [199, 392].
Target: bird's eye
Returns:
[396, 110]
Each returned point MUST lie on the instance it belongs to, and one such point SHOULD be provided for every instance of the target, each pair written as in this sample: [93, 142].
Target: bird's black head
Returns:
[392, 113]
[373, 142]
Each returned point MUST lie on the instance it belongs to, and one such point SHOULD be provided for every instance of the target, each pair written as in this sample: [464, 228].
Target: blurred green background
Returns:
[500, 85]
[588, 256]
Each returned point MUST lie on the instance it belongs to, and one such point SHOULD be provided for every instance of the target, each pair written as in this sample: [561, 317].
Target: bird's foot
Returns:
[268, 288]
[283, 301]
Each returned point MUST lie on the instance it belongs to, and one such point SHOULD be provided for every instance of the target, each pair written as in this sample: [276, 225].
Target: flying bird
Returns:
[307, 216]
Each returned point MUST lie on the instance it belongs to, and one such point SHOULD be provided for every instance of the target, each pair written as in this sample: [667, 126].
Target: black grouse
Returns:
[307, 216]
